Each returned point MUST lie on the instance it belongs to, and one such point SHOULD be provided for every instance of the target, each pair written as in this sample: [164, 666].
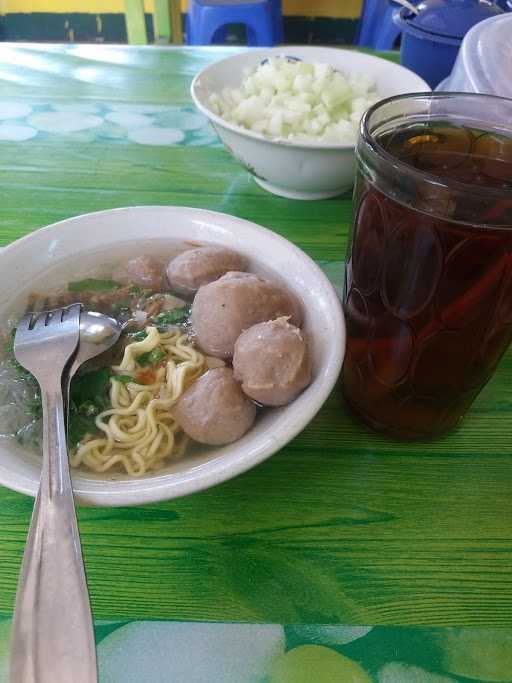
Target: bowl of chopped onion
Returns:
[290, 115]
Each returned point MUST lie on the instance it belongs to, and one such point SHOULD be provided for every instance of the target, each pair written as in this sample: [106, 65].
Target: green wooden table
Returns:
[342, 527]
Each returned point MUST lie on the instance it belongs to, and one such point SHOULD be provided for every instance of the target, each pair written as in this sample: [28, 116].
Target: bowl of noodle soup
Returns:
[90, 247]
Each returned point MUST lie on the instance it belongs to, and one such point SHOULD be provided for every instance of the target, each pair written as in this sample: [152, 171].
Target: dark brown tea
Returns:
[428, 290]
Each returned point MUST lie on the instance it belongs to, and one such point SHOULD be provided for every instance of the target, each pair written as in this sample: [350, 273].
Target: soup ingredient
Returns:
[287, 98]
[174, 316]
[144, 271]
[104, 296]
[214, 410]
[223, 309]
[213, 362]
[92, 284]
[20, 399]
[151, 357]
[89, 396]
[138, 431]
[196, 267]
[167, 305]
[271, 361]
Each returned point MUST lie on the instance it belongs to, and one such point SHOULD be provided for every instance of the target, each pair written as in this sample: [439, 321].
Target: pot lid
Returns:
[450, 18]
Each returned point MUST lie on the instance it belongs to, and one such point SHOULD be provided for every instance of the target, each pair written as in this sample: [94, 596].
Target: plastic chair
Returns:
[376, 27]
[166, 22]
[207, 19]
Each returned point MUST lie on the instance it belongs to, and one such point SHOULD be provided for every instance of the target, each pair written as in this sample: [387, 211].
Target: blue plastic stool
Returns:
[376, 27]
[277, 20]
[205, 18]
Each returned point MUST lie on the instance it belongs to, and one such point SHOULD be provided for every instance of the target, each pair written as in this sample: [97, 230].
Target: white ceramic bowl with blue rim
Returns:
[70, 249]
[296, 170]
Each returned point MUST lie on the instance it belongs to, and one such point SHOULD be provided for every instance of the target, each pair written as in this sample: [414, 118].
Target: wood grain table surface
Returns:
[342, 526]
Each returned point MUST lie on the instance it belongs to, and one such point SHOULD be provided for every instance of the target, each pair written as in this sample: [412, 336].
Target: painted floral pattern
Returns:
[189, 652]
[115, 122]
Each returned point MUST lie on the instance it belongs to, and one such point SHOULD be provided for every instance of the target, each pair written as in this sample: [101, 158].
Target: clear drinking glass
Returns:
[428, 285]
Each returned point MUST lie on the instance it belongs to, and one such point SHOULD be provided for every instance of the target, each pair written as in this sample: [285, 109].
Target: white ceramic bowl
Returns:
[69, 249]
[297, 170]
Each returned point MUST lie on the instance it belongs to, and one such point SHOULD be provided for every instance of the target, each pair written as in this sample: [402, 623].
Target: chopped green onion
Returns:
[121, 309]
[125, 379]
[135, 290]
[151, 357]
[139, 336]
[173, 317]
[92, 285]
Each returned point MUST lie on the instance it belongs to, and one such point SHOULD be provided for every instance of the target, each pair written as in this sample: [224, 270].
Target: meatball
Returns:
[144, 271]
[223, 309]
[271, 360]
[196, 267]
[214, 410]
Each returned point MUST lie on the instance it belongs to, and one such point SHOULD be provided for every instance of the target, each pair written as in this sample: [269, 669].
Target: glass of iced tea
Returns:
[428, 284]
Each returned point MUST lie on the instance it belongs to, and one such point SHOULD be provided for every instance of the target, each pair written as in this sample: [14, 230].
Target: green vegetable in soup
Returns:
[91, 386]
[173, 317]
[89, 396]
[88, 408]
[151, 357]
[121, 310]
[89, 393]
[139, 336]
[136, 291]
[79, 426]
[92, 285]
[34, 402]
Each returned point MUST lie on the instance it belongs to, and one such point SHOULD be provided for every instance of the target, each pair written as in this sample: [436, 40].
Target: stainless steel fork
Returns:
[52, 638]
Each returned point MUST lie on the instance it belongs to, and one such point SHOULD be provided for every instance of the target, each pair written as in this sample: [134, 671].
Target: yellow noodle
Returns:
[139, 431]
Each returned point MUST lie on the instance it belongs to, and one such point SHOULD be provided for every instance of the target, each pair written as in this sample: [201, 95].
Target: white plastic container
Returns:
[484, 62]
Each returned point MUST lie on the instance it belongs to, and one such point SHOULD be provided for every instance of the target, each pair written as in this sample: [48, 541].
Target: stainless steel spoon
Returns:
[98, 333]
